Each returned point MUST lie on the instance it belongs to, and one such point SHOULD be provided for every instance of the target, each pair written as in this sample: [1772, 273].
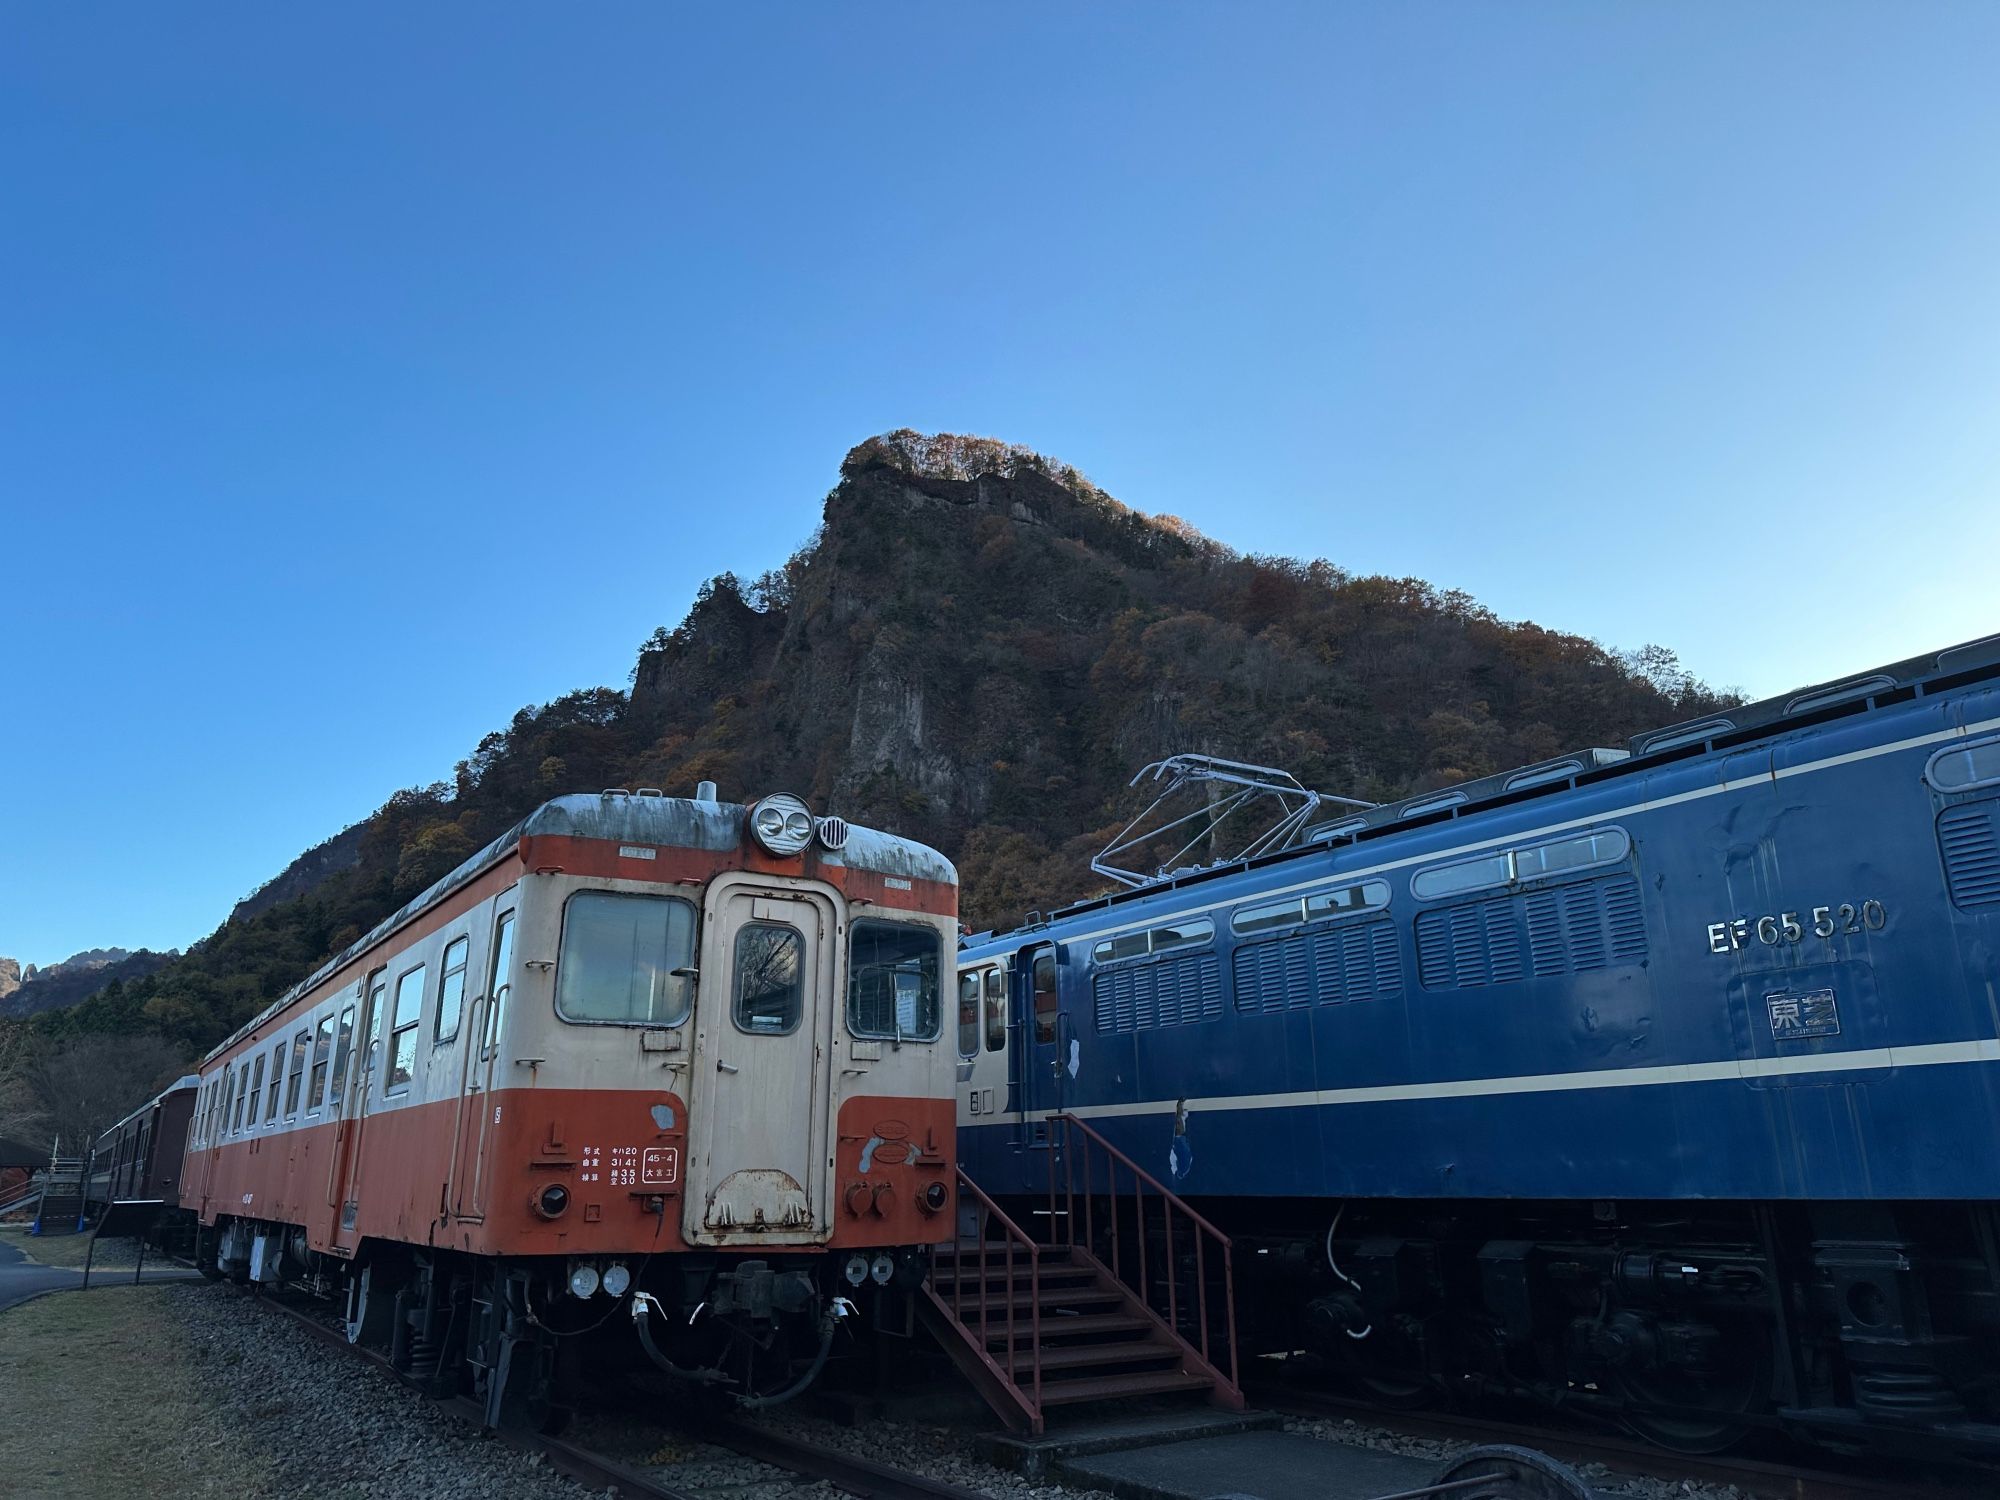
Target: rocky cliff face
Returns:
[980, 648]
[76, 978]
[10, 976]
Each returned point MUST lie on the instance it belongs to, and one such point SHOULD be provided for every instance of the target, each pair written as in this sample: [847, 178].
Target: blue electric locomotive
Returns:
[1663, 1082]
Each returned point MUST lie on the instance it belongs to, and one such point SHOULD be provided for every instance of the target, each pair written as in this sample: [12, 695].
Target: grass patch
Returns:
[99, 1403]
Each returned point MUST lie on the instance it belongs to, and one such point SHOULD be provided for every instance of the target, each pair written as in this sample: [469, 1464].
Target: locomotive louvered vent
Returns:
[1568, 930]
[1358, 961]
[1969, 835]
[1167, 992]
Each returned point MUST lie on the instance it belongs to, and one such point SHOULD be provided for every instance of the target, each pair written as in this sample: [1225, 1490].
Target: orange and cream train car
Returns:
[676, 1054]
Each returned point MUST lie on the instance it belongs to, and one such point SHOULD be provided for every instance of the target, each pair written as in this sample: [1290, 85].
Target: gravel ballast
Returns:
[332, 1427]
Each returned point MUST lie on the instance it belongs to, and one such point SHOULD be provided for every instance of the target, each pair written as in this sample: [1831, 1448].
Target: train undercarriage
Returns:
[1855, 1326]
[517, 1334]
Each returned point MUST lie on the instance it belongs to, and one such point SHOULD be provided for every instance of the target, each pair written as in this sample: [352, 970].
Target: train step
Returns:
[1094, 1356]
[1113, 1387]
[1082, 1326]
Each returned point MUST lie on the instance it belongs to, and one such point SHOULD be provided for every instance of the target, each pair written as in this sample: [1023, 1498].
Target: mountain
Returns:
[74, 980]
[977, 648]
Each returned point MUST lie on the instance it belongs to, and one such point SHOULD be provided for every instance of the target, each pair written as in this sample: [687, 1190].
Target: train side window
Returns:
[343, 1044]
[1125, 945]
[1465, 875]
[378, 1005]
[770, 990]
[256, 1086]
[230, 1090]
[996, 1008]
[1962, 767]
[322, 1060]
[451, 989]
[1045, 995]
[1603, 848]
[277, 1071]
[892, 981]
[501, 984]
[626, 960]
[1182, 934]
[300, 1044]
[403, 1029]
[1344, 900]
[968, 1013]
[1271, 914]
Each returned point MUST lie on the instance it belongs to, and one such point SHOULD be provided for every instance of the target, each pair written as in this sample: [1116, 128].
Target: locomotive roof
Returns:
[1726, 729]
[645, 818]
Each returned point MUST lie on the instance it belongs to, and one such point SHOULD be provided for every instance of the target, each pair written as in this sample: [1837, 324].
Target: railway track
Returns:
[809, 1463]
[1761, 1477]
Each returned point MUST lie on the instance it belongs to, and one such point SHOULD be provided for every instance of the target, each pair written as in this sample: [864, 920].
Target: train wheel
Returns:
[1699, 1411]
[1398, 1392]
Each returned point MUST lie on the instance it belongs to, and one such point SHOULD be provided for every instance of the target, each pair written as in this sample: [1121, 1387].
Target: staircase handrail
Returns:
[1169, 1201]
[1141, 1173]
[1014, 1235]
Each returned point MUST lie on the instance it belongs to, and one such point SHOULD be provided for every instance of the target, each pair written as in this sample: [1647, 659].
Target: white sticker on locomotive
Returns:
[661, 1166]
[1797, 1017]
[1776, 929]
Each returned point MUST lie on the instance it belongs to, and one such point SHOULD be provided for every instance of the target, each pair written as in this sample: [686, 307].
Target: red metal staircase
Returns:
[1119, 1300]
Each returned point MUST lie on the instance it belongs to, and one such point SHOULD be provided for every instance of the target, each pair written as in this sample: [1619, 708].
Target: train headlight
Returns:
[551, 1200]
[781, 823]
[616, 1279]
[883, 1267]
[583, 1281]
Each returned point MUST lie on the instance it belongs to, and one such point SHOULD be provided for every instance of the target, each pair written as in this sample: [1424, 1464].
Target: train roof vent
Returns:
[1839, 692]
[1424, 805]
[1559, 770]
[1980, 653]
[1320, 833]
[1676, 735]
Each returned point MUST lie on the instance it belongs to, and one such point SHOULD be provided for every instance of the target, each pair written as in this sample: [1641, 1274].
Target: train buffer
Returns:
[1129, 1292]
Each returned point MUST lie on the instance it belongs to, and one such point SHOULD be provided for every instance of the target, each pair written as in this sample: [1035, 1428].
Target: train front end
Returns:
[710, 1083]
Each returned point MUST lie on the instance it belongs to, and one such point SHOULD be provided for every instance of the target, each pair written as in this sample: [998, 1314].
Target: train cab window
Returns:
[626, 960]
[892, 981]
[322, 1060]
[501, 985]
[451, 989]
[996, 1008]
[343, 1045]
[256, 1087]
[300, 1044]
[1046, 998]
[403, 1029]
[277, 1072]
[770, 989]
[968, 1013]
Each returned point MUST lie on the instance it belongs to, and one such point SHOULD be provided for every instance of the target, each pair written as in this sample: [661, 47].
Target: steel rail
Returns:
[1761, 1477]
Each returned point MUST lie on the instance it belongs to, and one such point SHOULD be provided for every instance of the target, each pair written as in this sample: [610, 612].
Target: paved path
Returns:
[21, 1278]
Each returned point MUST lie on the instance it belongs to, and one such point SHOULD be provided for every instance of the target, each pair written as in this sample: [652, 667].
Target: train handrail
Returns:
[1171, 1203]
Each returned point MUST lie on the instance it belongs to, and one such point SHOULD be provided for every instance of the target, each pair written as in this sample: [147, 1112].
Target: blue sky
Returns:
[365, 375]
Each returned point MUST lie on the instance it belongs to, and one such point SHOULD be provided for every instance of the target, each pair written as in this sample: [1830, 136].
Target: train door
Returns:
[1043, 1067]
[362, 1086]
[478, 1114]
[759, 1114]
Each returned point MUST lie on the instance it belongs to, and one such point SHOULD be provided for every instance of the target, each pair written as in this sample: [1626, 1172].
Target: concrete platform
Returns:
[1075, 1434]
[1266, 1465]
